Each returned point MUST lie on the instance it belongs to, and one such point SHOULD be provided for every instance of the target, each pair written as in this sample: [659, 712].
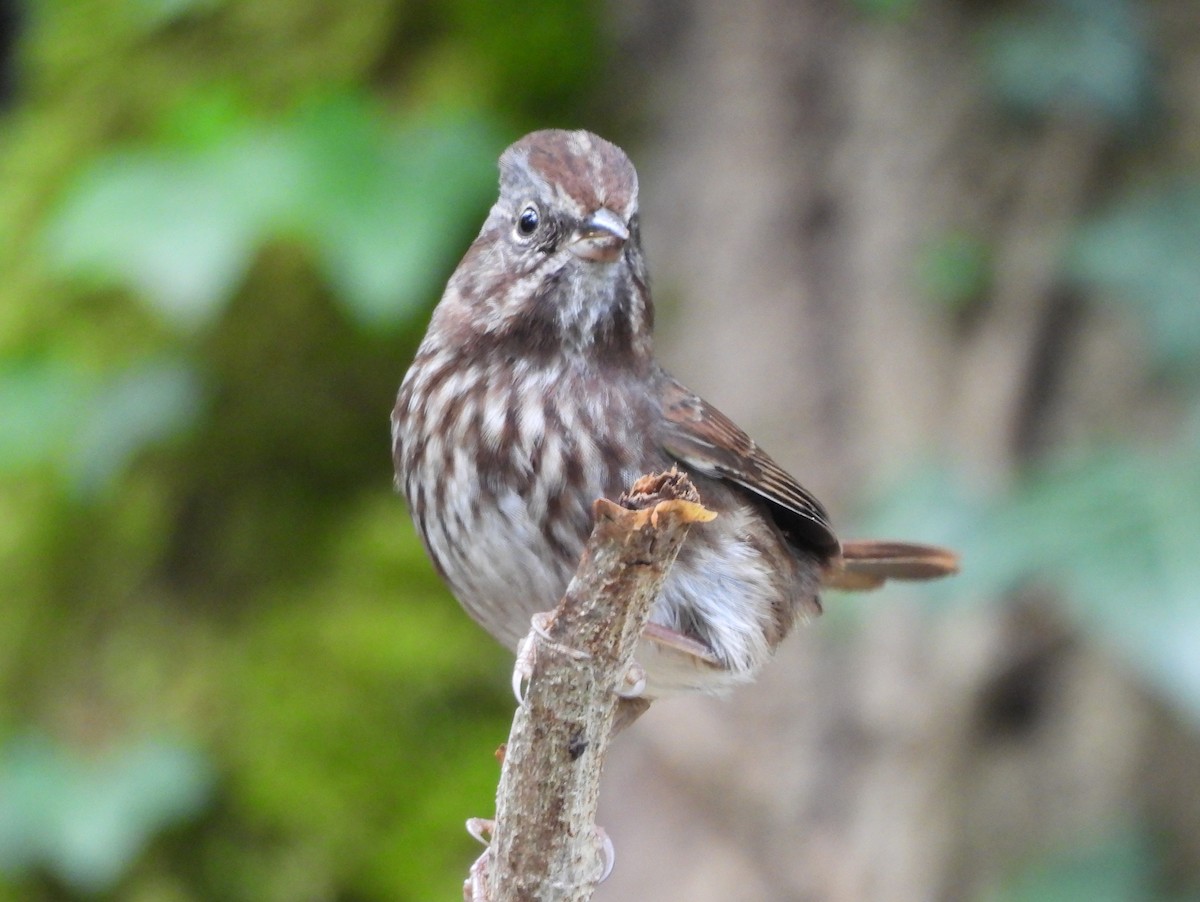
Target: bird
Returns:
[536, 391]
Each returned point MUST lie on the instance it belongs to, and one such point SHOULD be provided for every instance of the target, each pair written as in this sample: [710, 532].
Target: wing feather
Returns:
[702, 438]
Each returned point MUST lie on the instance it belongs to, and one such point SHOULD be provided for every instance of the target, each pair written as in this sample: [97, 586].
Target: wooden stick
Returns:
[545, 845]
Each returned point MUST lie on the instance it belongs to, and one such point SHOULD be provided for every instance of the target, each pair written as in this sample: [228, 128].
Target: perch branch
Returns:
[545, 844]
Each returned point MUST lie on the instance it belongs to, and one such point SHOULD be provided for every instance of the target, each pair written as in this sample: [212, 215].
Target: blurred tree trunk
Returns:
[802, 156]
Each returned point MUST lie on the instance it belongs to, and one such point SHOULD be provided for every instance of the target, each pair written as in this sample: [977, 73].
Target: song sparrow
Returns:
[535, 391]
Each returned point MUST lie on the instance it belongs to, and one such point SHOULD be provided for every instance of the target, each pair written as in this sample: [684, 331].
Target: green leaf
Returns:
[89, 429]
[387, 208]
[85, 819]
[955, 270]
[169, 227]
[1072, 57]
[1142, 254]
[1115, 869]
[40, 403]
[1116, 530]
[895, 10]
[383, 209]
[144, 405]
[157, 13]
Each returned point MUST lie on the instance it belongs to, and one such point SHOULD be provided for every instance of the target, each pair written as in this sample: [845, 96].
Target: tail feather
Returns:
[868, 564]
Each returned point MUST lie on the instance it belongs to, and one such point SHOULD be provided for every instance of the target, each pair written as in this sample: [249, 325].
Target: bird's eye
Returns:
[527, 222]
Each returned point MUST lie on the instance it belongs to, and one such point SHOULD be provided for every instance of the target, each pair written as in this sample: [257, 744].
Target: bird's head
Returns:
[558, 261]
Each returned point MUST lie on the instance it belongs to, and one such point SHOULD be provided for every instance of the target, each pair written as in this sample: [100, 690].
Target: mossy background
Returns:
[226, 669]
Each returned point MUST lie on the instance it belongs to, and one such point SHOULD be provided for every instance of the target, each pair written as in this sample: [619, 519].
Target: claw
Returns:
[540, 624]
[481, 829]
[520, 673]
[607, 852]
[475, 886]
[539, 628]
[523, 666]
[633, 684]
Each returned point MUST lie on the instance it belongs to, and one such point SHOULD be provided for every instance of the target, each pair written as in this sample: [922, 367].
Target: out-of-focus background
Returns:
[942, 257]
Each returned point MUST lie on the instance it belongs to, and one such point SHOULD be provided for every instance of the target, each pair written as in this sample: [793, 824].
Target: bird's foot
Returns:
[606, 852]
[539, 632]
[633, 683]
[475, 887]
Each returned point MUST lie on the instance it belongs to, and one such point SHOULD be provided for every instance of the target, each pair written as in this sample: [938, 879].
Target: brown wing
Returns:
[705, 440]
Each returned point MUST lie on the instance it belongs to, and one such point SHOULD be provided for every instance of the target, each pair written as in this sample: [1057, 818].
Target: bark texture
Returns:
[544, 843]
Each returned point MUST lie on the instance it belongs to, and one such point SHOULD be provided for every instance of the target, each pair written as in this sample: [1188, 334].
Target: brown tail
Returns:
[868, 564]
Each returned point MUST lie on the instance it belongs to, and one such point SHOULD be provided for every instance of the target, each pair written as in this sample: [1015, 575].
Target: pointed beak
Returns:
[601, 238]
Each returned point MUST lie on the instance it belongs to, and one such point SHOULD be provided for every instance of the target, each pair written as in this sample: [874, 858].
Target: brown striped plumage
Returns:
[535, 392]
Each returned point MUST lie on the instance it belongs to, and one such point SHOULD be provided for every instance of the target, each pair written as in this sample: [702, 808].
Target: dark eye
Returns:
[527, 222]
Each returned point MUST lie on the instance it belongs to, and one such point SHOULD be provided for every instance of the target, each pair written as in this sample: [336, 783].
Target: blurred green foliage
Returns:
[955, 271]
[181, 226]
[1073, 58]
[1115, 868]
[86, 820]
[226, 669]
[1113, 527]
[1142, 253]
[895, 10]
